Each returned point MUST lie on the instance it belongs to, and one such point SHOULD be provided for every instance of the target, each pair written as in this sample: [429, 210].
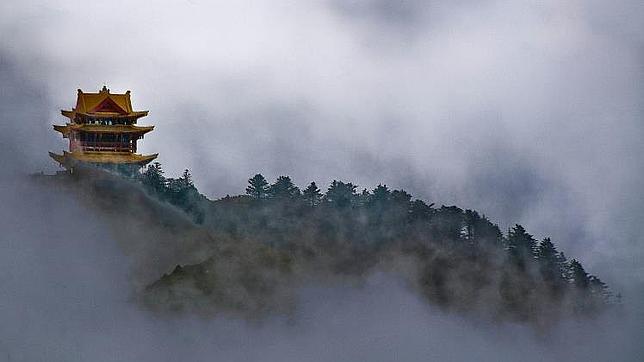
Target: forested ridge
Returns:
[260, 247]
[460, 260]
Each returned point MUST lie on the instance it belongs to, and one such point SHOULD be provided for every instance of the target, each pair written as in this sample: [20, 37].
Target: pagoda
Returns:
[102, 131]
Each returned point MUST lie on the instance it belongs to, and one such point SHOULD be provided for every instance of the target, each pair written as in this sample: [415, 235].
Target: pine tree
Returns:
[448, 223]
[341, 194]
[401, 198]
[599, 290]
[186, 179]
[363, 198]
[257, 187]
[181, 191]
[479, 230]
[521, 245]
[420, 211]
[400, 208]
[283, 188]
[312, 195]
[153, 178]
[548, 258]
[562, 266]
[577, 275]
[380, 195]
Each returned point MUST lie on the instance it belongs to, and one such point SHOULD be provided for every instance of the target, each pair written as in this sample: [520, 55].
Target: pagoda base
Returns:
[71, 159]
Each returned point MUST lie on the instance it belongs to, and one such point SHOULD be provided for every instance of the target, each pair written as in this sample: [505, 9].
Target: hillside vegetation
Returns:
[249, 254]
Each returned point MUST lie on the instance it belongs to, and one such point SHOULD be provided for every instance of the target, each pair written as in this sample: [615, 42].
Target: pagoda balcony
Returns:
[106, 147]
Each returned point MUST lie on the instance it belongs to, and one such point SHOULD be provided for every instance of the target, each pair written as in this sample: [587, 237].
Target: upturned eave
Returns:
[68, 159]
[95, 128]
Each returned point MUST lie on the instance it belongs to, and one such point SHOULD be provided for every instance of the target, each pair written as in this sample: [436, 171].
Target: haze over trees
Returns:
[276, 237]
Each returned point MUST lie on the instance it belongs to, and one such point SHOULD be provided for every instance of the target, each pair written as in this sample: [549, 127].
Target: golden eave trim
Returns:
[102, 157]
[134, 114]
[119, 128]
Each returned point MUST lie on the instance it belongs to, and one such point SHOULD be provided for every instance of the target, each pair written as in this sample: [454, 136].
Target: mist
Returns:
[530, 113]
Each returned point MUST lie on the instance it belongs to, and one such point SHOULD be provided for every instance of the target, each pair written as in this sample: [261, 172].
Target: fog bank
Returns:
[530, 113]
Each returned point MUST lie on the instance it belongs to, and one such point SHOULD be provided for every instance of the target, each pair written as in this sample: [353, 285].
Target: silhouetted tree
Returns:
[548, 258]
[180, 192]
[400, 207]
[380, 196]
[181, 184]
[283, 188]
[521, 245]
[186, 178]
[153, 178]
[551, 263]
[363, 198]
[420, 211]
[479, 230]
[598, 289]
[448, 224]
[340, 194]
[257, 187]
[577, 275]
[312, 195]
[562, 266]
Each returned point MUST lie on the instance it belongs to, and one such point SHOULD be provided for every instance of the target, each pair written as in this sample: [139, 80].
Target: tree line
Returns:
[462, 258]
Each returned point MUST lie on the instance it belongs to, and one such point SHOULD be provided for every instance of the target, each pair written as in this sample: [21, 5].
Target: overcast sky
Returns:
[528, 111]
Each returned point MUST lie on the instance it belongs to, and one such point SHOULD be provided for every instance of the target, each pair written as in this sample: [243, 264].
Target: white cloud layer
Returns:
[530, 112]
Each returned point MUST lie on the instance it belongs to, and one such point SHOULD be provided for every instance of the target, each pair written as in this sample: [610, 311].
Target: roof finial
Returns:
[105, 88]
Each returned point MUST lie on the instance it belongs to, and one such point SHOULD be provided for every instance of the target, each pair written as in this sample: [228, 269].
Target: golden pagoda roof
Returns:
[103, 103]
[117, 128]
[69, 158]
[133, 114]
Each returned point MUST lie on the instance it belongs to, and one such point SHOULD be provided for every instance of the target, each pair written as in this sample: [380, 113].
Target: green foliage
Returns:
[180, 192]
[521, 246]
[312, 195]
[340, 194]
[257, 187]
[283, 188]
[577, 275]
[551, 265]
[460, 256]
[379, 196]
[153, 178]
[480, 230]
[419, 211]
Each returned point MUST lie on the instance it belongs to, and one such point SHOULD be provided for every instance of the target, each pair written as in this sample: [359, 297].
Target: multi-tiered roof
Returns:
[102, 130]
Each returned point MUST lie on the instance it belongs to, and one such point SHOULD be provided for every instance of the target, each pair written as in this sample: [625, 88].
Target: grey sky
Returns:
[530, 112]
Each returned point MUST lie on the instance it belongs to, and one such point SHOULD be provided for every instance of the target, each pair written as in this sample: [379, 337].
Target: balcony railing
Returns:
[106, 146]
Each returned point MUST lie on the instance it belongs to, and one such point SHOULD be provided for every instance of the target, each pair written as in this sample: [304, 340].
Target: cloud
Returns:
[529, 113]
